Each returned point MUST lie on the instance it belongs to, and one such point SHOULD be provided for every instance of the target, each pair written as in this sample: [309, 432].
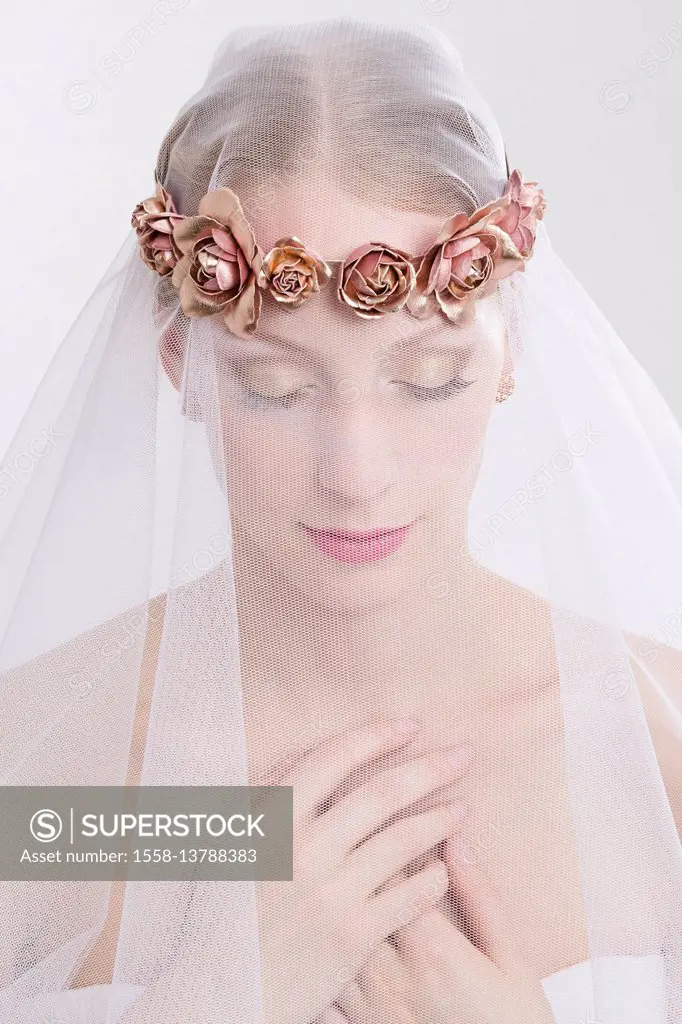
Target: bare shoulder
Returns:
[658, 672]
[103, 643]
[519, 648]
[52, 700]
[86, 664]
[526, 629]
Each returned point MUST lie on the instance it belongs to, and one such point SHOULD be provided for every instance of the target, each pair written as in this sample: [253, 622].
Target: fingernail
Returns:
[406, 725]
[463, 851]
[461, 755]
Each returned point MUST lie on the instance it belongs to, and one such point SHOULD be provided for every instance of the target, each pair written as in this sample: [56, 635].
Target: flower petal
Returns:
[193, 302]
[219, 204]
[225, 239]
[180, 271]
[227, 275]
[189, 230]
[241, 315]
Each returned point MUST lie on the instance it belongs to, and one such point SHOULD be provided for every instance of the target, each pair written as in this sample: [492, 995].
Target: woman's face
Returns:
[336, 425]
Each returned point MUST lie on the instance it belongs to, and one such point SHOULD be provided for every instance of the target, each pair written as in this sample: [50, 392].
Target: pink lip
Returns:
[356, 547]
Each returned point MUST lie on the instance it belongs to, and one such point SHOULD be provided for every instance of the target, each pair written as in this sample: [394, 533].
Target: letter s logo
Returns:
[46, 826]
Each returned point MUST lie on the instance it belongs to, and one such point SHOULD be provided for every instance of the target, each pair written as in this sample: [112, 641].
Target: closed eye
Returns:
[257, 401]
[424, 394]
[421, 393]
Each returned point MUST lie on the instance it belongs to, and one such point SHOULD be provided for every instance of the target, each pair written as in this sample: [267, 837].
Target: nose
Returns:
[356, 456]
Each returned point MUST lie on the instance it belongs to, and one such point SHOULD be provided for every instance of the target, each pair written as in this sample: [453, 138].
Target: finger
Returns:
[387, 987]
[373, 863]
[404, 901]
[332, 1015]
[383, 972]
[353, 1003]
[324, 767]
[391, 790]
[432, 938]
[377, 995]
[482, 905]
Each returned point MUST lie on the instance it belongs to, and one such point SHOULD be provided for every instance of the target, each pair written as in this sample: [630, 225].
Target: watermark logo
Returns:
[437, 7]
[46, 825]
[617, 685]
[162, 833]
[20, 468]
[81, 95]
[617, 97]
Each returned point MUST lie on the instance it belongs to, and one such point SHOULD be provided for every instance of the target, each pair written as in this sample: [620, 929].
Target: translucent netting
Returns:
[171, 612]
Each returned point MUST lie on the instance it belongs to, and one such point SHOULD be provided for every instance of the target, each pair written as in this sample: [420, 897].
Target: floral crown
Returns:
[217, 266]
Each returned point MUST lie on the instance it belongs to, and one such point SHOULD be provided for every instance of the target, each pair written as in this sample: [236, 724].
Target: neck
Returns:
[288, 639]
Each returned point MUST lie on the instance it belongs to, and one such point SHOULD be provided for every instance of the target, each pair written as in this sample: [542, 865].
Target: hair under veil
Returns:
[183, 603]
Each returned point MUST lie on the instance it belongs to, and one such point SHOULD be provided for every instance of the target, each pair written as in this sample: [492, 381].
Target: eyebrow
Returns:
[399, 345]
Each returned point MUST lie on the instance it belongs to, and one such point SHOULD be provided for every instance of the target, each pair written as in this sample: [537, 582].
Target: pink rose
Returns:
[526, 207]
[154, 220]
[221, 261]
[291, 273]
[465, 262]
[375, 279]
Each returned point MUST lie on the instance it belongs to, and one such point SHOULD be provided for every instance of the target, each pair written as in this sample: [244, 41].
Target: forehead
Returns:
[332, 222]
[325, 329]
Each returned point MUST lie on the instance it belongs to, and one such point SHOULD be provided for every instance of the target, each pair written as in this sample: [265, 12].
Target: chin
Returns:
[350, 599]
[348, 589]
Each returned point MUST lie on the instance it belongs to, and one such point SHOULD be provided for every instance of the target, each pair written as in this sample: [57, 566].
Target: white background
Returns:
[588, 96]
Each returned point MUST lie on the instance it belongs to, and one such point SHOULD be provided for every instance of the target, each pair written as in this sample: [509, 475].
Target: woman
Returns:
[372, 449]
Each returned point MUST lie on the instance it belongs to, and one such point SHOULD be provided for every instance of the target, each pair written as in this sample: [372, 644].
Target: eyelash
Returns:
[441, 392]
[422, 394]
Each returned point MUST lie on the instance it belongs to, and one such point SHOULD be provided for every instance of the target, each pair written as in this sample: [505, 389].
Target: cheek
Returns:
[265, 468]
[446, 444]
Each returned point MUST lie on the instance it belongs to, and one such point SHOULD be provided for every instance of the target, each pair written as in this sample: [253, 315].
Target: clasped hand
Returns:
[429, 972]
[354, 938]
